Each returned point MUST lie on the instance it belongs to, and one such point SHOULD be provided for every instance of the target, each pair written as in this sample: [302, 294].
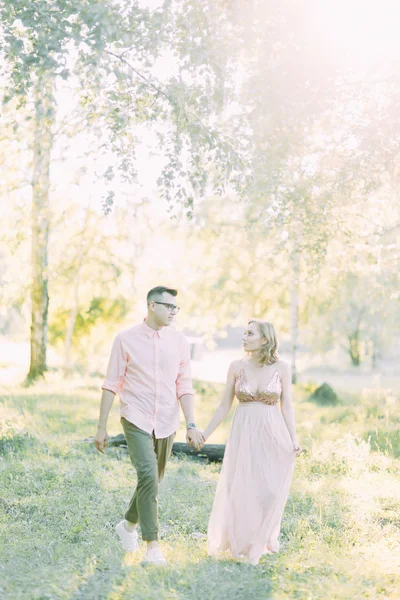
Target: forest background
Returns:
[244, 152]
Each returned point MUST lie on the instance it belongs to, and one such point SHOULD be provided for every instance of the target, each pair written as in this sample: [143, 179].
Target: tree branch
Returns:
[149, 83]
[159, 91]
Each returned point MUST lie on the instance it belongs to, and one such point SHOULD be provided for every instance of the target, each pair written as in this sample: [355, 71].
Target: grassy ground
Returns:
[60, 500]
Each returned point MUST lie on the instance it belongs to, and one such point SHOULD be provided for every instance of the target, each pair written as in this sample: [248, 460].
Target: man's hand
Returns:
[194, 438]
[101, 439]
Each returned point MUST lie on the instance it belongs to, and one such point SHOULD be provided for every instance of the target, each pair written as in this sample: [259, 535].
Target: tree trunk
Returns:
[354, 341]
[71, 324]
[294, 303]
[374, 355]
[354, 349]
[44, 116]
[211, 452]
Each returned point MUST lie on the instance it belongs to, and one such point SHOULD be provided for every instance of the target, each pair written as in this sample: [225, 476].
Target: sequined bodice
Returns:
[269, 395]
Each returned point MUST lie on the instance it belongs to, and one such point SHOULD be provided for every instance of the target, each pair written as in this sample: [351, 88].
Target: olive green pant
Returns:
[149, 456]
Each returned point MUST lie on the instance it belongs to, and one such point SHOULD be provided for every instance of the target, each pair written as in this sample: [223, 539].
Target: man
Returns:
[149, 368]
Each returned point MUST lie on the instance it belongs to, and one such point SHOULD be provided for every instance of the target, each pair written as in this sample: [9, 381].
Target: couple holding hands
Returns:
[149, 369]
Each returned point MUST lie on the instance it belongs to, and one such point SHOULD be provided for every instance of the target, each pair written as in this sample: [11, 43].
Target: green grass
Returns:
[60, 500]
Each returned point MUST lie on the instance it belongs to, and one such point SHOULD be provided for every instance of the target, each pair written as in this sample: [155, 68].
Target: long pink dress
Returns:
[256, 475]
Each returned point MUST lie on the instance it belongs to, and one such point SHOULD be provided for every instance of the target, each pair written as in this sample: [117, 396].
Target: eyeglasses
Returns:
[171, 307]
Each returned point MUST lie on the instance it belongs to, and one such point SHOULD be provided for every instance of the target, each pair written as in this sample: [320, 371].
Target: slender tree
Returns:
[110, 49]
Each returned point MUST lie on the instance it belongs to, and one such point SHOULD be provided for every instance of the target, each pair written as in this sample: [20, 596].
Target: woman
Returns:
[259, 457]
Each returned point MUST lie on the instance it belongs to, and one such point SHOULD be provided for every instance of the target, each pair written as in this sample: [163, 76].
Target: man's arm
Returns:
[184, 391]
[101, 437]
[113, 382]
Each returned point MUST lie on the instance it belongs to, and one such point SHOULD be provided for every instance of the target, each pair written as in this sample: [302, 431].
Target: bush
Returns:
[324, 395]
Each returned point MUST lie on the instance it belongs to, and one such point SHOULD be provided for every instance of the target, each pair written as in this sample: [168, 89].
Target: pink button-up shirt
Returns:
[150, 371]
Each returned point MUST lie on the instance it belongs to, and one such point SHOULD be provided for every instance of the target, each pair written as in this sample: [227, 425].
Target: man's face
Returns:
[161, 306]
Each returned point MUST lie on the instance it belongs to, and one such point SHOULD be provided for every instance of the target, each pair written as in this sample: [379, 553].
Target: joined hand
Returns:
[194, 438]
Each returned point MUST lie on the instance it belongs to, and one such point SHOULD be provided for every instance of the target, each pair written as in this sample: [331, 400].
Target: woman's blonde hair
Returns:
[269, 350]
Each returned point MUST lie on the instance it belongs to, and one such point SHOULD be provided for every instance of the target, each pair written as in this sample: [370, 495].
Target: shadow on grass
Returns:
[55, 414]
[101, 583]
[182, 579]
[185, 501]
[210, 579]
[58, 519]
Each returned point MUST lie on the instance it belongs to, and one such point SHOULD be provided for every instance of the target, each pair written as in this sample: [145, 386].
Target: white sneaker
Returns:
[129, 540]
[154, 556]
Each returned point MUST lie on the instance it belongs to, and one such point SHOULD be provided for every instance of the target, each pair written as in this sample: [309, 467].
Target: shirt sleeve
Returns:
[184, 378]
[116, 369]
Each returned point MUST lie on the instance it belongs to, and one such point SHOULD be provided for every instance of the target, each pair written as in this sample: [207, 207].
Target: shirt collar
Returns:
[150, 332]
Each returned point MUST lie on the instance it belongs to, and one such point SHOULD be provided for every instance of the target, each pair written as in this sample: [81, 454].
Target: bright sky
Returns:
[362, 29]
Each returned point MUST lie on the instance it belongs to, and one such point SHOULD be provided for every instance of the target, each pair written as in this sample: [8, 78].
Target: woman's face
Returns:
[252, 338]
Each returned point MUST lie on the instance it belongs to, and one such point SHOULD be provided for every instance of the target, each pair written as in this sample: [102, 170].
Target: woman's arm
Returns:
[287, 404]
[226, 402]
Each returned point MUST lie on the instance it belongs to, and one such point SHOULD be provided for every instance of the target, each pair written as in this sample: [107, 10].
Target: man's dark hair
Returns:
[157, 291]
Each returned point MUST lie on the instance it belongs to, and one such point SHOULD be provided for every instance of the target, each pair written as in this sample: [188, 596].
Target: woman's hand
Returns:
[298, 449]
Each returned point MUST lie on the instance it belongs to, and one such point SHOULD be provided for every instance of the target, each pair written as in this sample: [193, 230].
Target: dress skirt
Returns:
[253, 485]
